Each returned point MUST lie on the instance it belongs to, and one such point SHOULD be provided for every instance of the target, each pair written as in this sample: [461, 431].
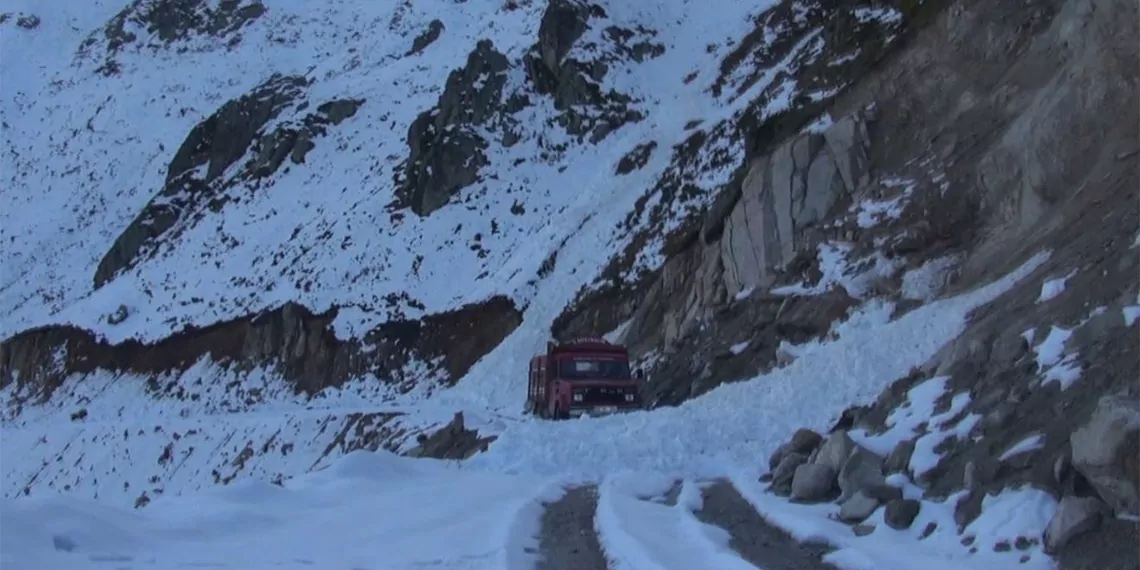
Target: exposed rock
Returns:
[900, 513]
[883, 493]
[446, 151]
[861, 469]
[784, 472]
[574, 85]
[803, 442]
[1106, 450]
[813, 482]
[835, 451]
[165, 22]
[980, 472]
[863, 529]
[636, 159]
[857, 508]
[298, 343]
[28, 21]
[1074, 516]
[428, 37]
[784, 193]
[899, 459]
[452, 441]
[118, 316]
[195, 177]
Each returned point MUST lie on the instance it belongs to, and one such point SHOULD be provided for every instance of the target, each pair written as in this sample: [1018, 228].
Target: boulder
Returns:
[899, 459]
[883, 492]
[900, 513]
[784, 472]
[1106, 450]
[804, 441]
[857, 508]
[862, 468]
[835, 451]
[1074, 516]
[813, 482]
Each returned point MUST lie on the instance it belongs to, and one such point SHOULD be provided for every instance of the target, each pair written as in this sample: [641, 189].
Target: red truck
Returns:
[587, 375]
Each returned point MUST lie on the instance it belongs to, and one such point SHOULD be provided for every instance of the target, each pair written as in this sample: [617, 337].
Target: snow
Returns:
[1054, 364]
[1031, 443]
[478, 505]
[904, 421]
[870, 213]
[926, 282]
[1054, 287]
[1017, 513]
[53, 262]
[919, 409]
[339, 518]
[1131, 314]
[857, 276]
[663, 537]
[739, 347]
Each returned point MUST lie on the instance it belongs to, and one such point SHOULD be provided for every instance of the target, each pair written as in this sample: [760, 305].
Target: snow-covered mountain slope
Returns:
[246, 239]
[483, 513]
[107, 137]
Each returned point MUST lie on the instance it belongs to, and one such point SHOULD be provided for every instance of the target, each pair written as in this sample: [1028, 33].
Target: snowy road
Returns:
[374, 512]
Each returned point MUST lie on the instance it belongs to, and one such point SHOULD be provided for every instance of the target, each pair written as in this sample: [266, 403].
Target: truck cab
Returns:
[584, 376]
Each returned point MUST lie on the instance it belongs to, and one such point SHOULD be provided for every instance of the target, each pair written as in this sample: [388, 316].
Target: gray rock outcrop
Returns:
[300, 345]
[170, 21]
[195, 177]
[813, 482]
[1074, 517]
[793, 188]
[1106, 450]
[445, 151]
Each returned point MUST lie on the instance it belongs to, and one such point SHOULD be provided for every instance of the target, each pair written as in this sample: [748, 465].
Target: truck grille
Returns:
[603, 395]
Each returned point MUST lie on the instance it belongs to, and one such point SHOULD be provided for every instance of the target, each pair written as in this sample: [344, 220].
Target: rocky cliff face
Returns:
[994, 133]
[290, 339]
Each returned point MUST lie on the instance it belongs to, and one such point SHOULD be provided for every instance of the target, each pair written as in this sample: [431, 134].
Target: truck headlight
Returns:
[577, 397]
[629, 397]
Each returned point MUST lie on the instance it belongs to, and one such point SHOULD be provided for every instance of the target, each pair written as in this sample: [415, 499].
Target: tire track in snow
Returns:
[753, 537]
[640, 534]
[567, 538]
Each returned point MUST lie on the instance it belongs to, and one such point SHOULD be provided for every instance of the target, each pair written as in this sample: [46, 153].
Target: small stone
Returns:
[784, 473]
[813, 482]
[929, 530]
[862, 469]
[968, 540]
[899, 459]
[863, 529]
[777, 456]
[883, 492]
[857, 508]
[63, 543]
[835, 451]
[804, 441]
[1002, 546]
[1022, 543]
[900, 513]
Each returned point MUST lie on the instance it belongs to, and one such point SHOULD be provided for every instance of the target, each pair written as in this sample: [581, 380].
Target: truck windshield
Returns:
[589, 368]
